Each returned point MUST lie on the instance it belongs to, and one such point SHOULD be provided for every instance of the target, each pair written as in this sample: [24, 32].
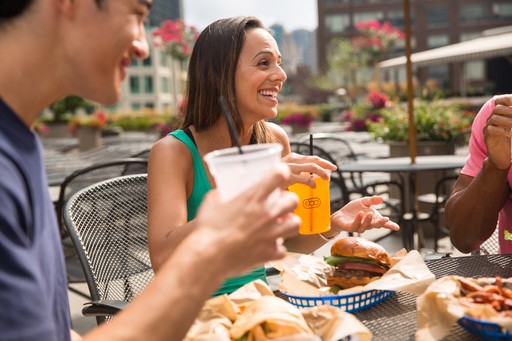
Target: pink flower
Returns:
[298, 118]
[176, 38]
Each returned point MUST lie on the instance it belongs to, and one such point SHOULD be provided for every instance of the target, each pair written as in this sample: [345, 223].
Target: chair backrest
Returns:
[339, 192]
[338, 148]
[107, 223]
[95, 173]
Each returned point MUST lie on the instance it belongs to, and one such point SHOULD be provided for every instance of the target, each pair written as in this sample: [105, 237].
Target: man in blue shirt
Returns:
[53, 48]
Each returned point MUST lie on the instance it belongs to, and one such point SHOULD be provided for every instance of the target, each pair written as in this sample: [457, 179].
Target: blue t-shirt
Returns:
[33, 285]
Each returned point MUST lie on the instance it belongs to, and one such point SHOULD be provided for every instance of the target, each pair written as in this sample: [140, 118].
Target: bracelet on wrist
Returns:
[327, 239]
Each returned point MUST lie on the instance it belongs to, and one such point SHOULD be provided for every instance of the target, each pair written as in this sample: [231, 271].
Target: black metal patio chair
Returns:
[78, 180]
[107, 223]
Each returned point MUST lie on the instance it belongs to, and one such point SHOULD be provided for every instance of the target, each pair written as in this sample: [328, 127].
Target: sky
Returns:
[292, 14]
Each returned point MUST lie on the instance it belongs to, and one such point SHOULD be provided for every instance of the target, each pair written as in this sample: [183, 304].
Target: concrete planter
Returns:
[88, 138]
[56, 130]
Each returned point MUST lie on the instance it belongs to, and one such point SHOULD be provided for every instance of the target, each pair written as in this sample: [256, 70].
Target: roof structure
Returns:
[480, 48]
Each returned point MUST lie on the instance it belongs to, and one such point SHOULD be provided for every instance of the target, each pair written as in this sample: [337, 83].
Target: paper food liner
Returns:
[304, 275]
[439, 308]
[224, 318]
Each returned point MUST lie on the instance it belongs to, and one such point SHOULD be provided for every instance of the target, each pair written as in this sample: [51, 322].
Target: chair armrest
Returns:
[103, 307]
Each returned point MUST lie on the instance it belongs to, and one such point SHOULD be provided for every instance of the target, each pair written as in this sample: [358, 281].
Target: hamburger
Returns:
[356, 261]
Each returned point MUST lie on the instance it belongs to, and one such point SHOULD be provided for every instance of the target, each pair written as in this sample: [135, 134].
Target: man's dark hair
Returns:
[11, 9]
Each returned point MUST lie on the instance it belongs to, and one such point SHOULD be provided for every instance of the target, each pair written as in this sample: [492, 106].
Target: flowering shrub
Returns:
[375, 38]
[176, 38]
[97, 119]
[298, 118]
[40, 128]
[434, 121]
[367, 111]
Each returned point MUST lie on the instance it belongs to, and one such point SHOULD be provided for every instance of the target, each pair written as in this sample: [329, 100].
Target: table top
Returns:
[403, 164]
[395, 318]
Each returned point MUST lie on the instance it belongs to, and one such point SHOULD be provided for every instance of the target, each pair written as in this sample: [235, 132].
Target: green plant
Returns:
[145, 120]
[63, 109]
[98, 119]
[369, 110]
[433, 121]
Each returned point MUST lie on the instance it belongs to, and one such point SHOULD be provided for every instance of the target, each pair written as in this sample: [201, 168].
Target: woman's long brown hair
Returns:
[211, 74]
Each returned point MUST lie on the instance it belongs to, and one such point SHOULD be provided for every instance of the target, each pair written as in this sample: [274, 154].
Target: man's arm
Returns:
[472, 210]
[231, 238]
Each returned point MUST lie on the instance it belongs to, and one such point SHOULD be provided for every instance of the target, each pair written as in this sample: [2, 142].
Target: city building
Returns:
[162, 10]
[157, 82]
[434, 23]
[153, 83]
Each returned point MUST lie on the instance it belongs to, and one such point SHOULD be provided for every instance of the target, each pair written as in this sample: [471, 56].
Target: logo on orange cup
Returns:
[310, 203]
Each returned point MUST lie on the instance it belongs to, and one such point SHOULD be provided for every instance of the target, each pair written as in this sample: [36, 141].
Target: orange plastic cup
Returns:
[314, 206]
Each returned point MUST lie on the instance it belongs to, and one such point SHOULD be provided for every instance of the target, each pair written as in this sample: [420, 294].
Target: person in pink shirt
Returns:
[482, 198]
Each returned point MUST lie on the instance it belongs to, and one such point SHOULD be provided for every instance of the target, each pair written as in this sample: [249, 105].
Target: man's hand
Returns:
[249, 230]
[497, 132]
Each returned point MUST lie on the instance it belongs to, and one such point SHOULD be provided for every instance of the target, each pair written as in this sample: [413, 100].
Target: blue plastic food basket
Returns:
[485, 330]
[349, 302]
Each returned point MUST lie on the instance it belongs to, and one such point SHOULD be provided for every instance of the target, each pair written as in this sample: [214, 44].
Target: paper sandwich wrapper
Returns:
[226, 317]
[305, 275]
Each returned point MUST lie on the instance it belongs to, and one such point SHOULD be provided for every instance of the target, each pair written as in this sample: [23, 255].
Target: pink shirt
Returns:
[477, 155]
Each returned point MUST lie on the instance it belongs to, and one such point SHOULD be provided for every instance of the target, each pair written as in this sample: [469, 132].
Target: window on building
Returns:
[470, 13]
[147, 61]
[396, 18]
[149, 105]
[135, 106]
[502, 10]
[437, 40]
[439, 73]
[164, 81]
[148, 84]
[367, 16]
[135, 62]
[337, 22]
[475, 70]
[437, 16]
[469, 35]
[134, 85]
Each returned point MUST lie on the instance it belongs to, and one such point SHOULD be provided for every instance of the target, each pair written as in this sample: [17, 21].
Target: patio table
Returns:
[395, 318]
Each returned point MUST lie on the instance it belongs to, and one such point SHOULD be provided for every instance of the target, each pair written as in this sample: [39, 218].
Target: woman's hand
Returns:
[359, 216]
[307, 164]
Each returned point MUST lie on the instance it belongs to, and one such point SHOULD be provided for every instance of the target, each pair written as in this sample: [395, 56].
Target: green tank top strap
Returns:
[201, 182]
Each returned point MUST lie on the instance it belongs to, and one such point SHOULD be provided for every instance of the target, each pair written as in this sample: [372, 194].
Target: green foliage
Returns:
[434, 121]
[64, 108]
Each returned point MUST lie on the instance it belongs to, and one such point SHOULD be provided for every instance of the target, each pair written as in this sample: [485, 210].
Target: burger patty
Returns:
[348, 273]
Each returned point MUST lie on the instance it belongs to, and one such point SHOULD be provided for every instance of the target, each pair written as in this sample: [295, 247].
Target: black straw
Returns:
[310, 144]
[235, 140]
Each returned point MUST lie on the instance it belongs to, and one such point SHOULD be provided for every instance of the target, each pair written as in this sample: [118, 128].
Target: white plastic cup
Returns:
[234, 172]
